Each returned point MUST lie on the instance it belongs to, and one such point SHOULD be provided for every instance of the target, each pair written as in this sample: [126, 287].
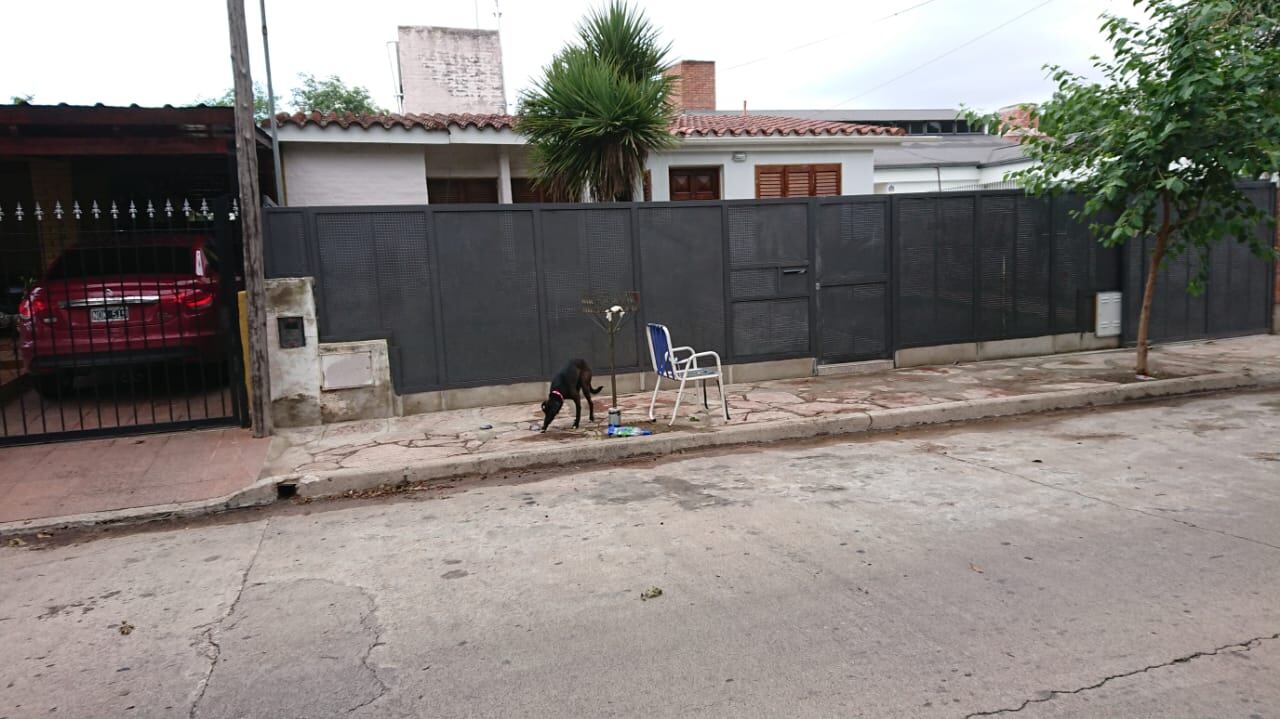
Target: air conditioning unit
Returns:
[1108, 308]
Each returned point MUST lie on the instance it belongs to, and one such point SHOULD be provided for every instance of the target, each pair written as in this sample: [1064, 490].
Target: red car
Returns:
[142, 301]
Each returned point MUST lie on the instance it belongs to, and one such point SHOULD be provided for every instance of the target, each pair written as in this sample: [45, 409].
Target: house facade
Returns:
[480, 158]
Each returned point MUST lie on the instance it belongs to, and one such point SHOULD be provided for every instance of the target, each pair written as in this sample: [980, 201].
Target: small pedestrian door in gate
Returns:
[851, 247]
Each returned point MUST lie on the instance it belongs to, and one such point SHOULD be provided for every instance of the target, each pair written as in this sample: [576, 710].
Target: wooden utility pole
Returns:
[251, 222]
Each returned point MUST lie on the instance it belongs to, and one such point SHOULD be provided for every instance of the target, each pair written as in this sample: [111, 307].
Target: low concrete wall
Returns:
[316, 383]
[355, 381]
[1003, 349]
[295, 379]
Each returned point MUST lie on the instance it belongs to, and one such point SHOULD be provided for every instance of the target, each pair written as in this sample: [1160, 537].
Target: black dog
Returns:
[570, 383]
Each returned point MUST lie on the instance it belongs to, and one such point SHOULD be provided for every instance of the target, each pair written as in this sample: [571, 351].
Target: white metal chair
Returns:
[680, 364]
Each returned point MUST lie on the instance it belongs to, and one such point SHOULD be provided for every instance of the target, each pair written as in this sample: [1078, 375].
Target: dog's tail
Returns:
[596, 390]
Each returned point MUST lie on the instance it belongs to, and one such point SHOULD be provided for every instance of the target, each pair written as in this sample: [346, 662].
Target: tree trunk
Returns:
[1149, 290]
[613, 373]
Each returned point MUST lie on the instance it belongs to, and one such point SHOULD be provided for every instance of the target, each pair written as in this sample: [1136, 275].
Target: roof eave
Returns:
[787, 140]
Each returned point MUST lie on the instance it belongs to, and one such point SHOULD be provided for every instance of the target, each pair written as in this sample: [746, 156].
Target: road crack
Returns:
[1052, 694]
[214, 649]
[373, 627]
[1117, 505]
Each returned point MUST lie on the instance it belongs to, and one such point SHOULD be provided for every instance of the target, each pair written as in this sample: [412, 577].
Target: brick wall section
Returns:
[695, 85]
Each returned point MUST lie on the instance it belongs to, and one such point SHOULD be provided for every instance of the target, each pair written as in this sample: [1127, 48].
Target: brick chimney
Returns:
[695, 85]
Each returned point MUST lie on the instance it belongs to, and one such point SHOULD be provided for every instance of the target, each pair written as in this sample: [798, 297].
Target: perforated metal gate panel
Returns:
[286, 253]
[682, 273]
[489, 298]
[1238, 291]
[405, 301]
[586, 252]
[348, 277]
[769, 280]
[852, 257]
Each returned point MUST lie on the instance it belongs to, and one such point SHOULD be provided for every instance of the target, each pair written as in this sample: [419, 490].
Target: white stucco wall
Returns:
[923, 179]
[738, 179]
[999, 173]
[354, 174]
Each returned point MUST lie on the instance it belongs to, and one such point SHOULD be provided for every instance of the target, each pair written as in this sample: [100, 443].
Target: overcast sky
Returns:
[153, 52]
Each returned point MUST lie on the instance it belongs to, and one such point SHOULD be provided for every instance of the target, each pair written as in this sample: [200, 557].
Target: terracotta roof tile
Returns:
[467, 119]
[347, 119]
[767, 125]
[684, 125]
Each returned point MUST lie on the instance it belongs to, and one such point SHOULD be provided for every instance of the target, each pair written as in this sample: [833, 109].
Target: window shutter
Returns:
[799, 181]
[443, 192]
[485, 190]
[769, 181]
[456, 190]
[826, 180]
[523, 191]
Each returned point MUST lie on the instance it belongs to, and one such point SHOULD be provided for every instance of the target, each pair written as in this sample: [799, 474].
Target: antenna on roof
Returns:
[497, 14]
[477, 6]
[396, 82]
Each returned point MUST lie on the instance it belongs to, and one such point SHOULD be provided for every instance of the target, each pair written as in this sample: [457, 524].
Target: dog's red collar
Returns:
[556, 392]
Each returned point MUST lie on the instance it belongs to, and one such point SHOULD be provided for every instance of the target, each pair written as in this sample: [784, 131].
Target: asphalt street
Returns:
[1118, 562]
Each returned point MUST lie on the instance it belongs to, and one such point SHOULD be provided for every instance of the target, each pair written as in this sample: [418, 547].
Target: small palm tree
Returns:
[600, 108]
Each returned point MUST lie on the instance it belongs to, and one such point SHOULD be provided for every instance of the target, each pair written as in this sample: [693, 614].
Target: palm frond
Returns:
[599, 108]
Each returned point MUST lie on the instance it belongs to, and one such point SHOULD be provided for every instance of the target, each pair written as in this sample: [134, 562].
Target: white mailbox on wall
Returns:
[1107, 313]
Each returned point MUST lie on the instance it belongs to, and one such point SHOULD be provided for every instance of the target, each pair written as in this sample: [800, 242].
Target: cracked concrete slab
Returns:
[297, 648]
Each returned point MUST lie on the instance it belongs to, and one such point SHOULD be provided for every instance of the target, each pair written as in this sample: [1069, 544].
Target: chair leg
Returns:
[676, 410]
[704, 395]
[656, 385]
[724, 401]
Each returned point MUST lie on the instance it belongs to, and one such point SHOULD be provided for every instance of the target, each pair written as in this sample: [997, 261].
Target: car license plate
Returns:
[108, 314]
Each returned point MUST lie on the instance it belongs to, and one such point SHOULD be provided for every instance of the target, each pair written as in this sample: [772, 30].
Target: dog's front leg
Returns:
[577, 412]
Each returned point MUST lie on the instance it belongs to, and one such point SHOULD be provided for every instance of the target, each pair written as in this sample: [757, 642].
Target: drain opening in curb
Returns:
[286, 490]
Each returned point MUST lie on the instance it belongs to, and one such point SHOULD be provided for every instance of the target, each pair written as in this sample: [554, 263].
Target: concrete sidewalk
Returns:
[78, 484]
[352, 456]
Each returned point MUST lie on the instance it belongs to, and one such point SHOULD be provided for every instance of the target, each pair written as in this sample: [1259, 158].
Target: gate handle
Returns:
[794, 271]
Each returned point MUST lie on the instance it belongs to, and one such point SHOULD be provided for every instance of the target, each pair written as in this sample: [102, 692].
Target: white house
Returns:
[941, 152]
[464, 157]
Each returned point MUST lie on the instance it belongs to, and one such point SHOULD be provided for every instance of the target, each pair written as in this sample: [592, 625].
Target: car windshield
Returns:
[85, 262]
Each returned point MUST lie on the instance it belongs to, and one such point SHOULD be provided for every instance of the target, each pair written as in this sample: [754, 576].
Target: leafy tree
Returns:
[21, 99]
[261, 106]
[600, 108]
[332, 95]
[1189, 106]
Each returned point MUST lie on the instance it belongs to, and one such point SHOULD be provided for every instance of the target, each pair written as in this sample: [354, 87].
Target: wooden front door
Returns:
[695, 183]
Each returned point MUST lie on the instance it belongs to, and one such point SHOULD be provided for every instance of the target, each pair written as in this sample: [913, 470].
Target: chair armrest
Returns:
[675, 358]
[696, 355]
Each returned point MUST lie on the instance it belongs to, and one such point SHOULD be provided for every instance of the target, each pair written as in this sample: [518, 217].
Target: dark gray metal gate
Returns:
[119, 318]
[993, 265]
[851, 248]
